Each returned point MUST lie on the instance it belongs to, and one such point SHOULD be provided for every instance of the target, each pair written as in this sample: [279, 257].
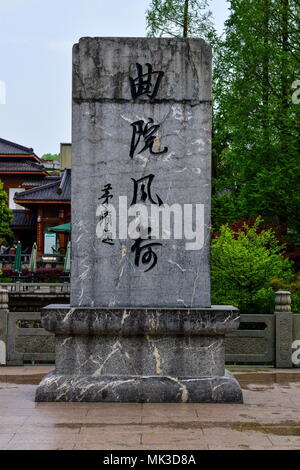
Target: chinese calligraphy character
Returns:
[147, 131]
[106, 215]
[106, 193]
[145, 252]
[142, 189]
[142, 85]
[108, 240]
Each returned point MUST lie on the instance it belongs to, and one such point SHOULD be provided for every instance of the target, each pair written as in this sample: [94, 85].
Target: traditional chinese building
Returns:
[50, 205]
[20, 169]
[39, 201]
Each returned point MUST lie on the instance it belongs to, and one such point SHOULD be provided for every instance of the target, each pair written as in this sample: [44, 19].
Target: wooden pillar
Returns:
[40, 231]
[61, 236]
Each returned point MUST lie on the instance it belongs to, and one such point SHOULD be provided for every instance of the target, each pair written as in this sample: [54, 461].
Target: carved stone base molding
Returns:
[136, 389]
[140, 355]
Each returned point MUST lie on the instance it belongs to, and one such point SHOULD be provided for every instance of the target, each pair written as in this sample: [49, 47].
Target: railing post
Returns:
[284, 330]
[52, 288]
[3, 325]
[66, 288]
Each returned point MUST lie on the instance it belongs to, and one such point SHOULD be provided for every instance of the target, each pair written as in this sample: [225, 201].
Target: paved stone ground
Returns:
[269, 419]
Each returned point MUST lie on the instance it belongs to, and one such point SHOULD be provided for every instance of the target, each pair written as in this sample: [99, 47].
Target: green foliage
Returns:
[296, 303]
[243, 265]
[256, 145]
[180, 18]
[256, 125]
[5, 279]
[51, 156]
[6, 234]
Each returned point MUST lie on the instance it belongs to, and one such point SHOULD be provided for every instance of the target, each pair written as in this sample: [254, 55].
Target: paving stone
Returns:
[268, 423]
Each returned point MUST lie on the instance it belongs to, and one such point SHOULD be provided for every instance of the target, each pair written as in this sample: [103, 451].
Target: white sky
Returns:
[36, 38]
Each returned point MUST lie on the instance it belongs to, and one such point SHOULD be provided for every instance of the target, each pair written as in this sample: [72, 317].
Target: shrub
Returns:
[6, 280]
[243, 265]
[49, 274]
[41, 275]
[7, 273]
[283, 234]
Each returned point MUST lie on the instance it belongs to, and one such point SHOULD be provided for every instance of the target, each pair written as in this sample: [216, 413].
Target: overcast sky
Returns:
[36, 38]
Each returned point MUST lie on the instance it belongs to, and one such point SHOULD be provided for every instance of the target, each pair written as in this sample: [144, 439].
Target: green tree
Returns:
[51, 156]
[180, 18]
[243, 267]
[6, 234]
[256, 142]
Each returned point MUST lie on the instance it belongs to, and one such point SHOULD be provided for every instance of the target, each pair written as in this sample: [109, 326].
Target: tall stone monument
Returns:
[141, 326]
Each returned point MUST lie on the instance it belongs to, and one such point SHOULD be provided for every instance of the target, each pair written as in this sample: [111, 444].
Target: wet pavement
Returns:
[269, 419]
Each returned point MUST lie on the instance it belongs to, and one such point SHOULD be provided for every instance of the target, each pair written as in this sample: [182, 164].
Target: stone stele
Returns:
[141, 327]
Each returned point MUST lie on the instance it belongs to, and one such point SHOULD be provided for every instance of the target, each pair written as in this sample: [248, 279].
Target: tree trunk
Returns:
[285, 85]
[186, 19]
[285, 89]
[266, 81]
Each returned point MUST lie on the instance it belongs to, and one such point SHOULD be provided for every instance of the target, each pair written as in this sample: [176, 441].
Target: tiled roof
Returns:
[10, 148]
[57, 191]
[38, 180]
[23, 218]
[13, 165]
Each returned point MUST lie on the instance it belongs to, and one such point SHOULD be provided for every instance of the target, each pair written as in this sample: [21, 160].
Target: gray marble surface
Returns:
[66, 320]
[100, 65]
[139, 354]
[103, 111]
[137, 389]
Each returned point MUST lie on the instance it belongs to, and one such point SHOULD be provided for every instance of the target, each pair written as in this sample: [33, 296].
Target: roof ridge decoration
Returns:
[38, 165]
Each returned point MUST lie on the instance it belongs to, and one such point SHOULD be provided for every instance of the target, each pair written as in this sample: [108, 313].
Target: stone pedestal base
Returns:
[135, 389]
[140, 355]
